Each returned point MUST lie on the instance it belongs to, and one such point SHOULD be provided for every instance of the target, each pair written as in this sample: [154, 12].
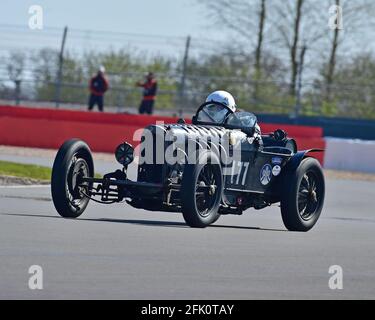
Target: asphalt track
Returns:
[116, 252]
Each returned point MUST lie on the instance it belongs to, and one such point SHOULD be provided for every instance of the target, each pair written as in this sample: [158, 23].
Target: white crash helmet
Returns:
[224, 98]
[101, 69]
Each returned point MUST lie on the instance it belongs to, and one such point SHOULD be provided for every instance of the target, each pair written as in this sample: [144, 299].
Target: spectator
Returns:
[98, 86]
[150, 87]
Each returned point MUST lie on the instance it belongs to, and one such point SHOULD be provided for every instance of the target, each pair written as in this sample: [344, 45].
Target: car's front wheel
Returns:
[201, 191]
[302, 196]
[72, 163]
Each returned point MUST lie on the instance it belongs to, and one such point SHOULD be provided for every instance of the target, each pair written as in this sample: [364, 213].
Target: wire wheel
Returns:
[302, 195]
[72, 163]
[78, 170]
[201, 191]
[308, 196]
[206, 191]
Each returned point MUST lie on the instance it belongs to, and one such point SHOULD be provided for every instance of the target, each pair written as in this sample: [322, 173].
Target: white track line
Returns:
[26, 186]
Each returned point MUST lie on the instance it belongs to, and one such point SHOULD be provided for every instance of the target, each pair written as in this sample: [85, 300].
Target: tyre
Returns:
[201, 191]
[73, 161]
[302, 196]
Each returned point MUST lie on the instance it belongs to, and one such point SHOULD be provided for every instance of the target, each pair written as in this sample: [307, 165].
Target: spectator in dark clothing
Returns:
[98, 86]
[150, 87]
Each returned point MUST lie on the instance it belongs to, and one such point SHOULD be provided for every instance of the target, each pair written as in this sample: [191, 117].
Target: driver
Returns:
[223, 97]
[218, 114]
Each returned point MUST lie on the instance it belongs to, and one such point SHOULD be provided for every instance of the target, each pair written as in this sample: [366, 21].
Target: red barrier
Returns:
[311, 143]
[306, 137]
[82, 116]
[294, 130]
[49, 128]
[51, 134]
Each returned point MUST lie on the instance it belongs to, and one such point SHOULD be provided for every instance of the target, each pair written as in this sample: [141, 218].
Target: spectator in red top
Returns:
[98, 86]
[150, 87]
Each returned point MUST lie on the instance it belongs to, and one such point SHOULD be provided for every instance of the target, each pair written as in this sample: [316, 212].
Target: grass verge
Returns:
[25, 171]
[29, 171]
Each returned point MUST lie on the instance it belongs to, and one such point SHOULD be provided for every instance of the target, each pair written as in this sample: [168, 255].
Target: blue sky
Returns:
[165, 17]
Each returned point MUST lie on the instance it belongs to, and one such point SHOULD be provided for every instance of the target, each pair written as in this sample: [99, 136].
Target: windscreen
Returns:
[242, 120]
[213, 113]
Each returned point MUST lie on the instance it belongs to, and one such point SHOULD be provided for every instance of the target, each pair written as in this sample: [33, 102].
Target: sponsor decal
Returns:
[277, 160]
[265, 174]
[276, 170]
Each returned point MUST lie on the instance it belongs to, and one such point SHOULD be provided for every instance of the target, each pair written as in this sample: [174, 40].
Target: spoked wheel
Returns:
[73, 162]
[201, 191]
[76, 189]
[308, 200]
[206, 190]
[303, 196]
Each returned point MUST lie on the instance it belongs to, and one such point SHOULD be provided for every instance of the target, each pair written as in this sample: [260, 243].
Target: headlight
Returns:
[124, 154]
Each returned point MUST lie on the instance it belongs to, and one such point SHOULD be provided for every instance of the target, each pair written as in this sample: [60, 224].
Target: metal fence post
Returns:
[59, 72]
[17, 92]
[183, 76]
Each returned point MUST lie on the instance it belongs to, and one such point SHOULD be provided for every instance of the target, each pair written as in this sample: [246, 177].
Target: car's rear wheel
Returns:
[303, 196]
[201, 191]
[72, 163]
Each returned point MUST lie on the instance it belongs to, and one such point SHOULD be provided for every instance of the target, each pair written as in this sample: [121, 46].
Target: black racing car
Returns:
[218, 165]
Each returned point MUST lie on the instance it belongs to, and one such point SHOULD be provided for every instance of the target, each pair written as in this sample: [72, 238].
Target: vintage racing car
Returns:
[220, 165]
